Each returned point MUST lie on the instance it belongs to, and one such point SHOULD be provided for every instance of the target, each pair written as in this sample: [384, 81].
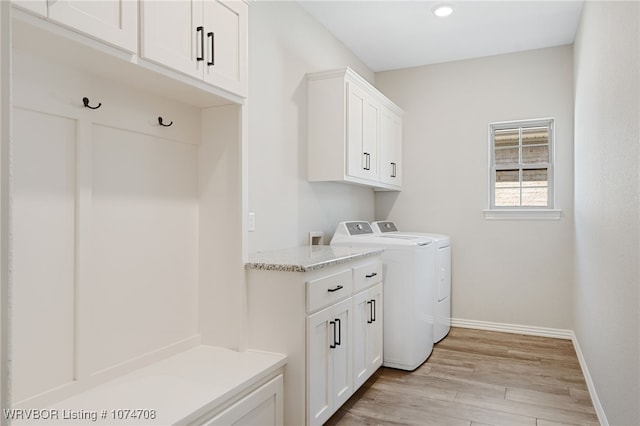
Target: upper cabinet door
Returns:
[39, 7]
[362, 134]
[225, 24]
[173, 35]
[111, 21]
[390, 147]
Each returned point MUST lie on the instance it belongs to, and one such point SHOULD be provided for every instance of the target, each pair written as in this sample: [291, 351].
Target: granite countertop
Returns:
[307, 258]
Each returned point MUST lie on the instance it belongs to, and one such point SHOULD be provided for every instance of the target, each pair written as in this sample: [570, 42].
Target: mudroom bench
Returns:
[205, 385]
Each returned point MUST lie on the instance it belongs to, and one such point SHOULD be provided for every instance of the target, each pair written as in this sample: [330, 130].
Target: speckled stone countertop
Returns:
[307, 258]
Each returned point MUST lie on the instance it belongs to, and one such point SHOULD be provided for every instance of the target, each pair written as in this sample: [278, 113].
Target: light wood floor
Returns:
[478, 377]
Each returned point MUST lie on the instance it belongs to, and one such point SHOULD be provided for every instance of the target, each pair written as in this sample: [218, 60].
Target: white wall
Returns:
[516, 272]
[607, 189]
[5, 108]
[285, 43]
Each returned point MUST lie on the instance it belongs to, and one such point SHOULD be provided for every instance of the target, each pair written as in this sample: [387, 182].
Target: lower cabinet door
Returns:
[361, 321]
[375, 330]
[342, 354]
[367, 334]
[263, 407]
[329, 363]
[320, 341]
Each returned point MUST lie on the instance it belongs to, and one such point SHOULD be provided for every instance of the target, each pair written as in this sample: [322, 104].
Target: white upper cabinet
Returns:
[112, 21]
[37, 7]
[204, 39]
[354, 132]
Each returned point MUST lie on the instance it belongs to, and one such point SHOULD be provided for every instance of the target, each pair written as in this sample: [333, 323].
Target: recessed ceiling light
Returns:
[442, 10]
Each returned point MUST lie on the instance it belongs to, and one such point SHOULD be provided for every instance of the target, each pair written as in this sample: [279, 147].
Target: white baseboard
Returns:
[602, 418]
[543, 332]
[557, 333]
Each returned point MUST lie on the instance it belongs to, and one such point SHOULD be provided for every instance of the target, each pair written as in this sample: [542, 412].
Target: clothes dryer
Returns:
[408, 291]
[442, 323]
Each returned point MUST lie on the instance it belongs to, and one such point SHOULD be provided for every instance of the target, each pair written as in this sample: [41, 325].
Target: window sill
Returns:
[522, 214]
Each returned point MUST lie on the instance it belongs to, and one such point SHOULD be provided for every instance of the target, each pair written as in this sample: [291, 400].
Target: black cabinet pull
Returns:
[367, 161]
[331, 290]
[373, 310]
[339, 332]
[201, 31]
[370, 319]
[371, 275]
[393, 168]
[333, 345]
[211, 36]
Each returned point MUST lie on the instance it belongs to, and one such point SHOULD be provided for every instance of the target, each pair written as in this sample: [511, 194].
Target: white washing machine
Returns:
[442, 323]
[408, 291]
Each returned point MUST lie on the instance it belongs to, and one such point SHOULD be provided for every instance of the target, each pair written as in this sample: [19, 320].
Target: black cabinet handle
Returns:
[201, 31]
[367, 161]
[211, 36]
[333, 345]
[371, 275]
[331, 290]
[373, 310]
[393, 172]
[370, 319]
[339, 332]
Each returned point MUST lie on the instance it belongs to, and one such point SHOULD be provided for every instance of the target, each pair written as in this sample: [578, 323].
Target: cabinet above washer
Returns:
[354, 132]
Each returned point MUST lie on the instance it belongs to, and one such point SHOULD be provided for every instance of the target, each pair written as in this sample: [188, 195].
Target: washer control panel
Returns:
[358, 228]
[387, 227]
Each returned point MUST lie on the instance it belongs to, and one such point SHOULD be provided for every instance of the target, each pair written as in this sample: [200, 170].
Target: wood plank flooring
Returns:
[478, 378]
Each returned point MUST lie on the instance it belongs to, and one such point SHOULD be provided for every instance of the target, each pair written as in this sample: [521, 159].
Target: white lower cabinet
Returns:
[329, 352]
[263, 407]
[367, 334]
[328, 322]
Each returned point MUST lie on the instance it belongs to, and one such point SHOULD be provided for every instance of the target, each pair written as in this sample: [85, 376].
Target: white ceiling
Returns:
[388, 35]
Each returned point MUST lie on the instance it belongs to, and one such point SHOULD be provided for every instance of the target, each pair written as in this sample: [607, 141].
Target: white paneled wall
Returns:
[44, 250]
[143, 249]
[105, 230]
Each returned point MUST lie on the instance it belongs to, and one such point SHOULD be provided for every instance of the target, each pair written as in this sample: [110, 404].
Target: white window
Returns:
[521, 165]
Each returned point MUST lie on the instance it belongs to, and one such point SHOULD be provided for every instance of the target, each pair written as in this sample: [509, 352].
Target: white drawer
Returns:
[366, 276]
[329, 289]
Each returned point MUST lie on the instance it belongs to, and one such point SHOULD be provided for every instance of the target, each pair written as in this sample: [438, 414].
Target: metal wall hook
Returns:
[85, 101]
[162, 124]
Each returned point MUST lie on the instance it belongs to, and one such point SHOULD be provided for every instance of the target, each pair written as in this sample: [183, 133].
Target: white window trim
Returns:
[522, 214]
[518, 212]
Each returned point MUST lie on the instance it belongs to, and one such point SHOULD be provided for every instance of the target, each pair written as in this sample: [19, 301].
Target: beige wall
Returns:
[285, 43]
[607, 113]
[514, 272]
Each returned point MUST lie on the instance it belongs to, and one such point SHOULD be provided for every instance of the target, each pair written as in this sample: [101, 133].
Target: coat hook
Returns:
[85, 101]
[162, 124]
